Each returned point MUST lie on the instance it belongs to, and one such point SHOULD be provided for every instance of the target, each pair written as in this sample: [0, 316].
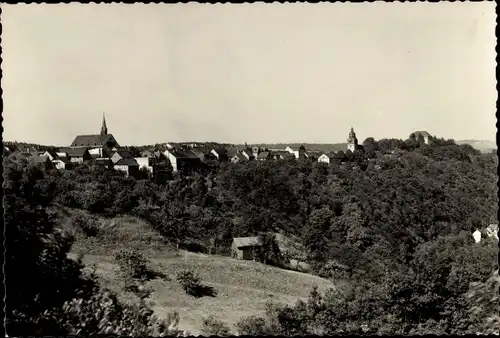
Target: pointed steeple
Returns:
[104, 129]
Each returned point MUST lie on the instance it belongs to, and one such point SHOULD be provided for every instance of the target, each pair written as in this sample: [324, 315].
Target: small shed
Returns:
[244, 247]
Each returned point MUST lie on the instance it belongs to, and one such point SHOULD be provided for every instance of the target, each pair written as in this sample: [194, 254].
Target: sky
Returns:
[256, 73]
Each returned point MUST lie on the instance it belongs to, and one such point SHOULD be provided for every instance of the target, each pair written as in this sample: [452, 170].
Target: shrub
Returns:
[190, 281]
[103, 314]
[252, 326]
[88, 225]
[212, 326]
[132, 263]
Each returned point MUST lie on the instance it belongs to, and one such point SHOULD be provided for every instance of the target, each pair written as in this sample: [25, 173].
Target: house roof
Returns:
[123, 153]
[220, 151]
[90, 140]
[312, 153]
[76, 152]
[128, 162]
[51, 153]
[422, 133]
[242, 242]
[240, 156]
[183, 153]
[263, 155]
[39, 159]
[200, 152]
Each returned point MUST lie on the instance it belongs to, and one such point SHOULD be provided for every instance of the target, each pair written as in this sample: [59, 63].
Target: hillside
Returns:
[481, 145]
[243, 287]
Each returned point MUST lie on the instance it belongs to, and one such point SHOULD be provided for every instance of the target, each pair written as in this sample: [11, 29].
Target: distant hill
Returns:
[481, 145]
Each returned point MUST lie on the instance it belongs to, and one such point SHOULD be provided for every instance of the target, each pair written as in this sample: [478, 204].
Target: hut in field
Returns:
[244, 247]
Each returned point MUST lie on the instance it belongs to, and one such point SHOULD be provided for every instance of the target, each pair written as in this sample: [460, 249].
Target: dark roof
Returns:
[127, 161]
[123, 153]
[51, 153]
[263, 155]
[62, 159]
[39, 159]
[76, 152]
[422, 133]
[90, 140]
[200, 152]
[183, 153]
[240, 156]
[242, 242]
[220, 151]
[248, 152]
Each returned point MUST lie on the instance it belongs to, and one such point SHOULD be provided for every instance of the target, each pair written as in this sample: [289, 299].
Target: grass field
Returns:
[243, 287]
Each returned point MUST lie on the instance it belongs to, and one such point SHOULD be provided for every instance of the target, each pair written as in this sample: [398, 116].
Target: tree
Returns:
[38, 275]
[269, 251]
[370, 146]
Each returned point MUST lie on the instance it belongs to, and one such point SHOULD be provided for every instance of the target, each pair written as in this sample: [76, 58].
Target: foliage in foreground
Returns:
[49, 294]
[214, 327]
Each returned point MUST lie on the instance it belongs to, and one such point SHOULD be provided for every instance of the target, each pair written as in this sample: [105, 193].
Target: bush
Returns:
[214, 327]
[103, 314]
[252, 326]
[88, 225]
[190, 281]
[132, 263]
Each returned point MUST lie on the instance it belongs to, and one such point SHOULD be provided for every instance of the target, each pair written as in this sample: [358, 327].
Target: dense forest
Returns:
[395, 220]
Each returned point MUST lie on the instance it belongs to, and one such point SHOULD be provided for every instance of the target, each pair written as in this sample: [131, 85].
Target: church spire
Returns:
[104, 129]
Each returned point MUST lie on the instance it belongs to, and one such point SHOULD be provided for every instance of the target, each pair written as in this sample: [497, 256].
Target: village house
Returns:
[299, 153]
[59, 162]
[256, 151]
[281, 154]
[264, 156]
[119, 155]
[147, 163]
[220, 153]
[245, 247]
[183, 160]
[324, 158]
[77, 155]
[127, 165]
[105, 162]
[238, 158]
[248, 154]
[44, 160]
[313, 155]
[421, 135]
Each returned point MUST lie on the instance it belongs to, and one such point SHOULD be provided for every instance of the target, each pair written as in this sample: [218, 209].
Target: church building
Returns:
[352, 141]
[102, 143]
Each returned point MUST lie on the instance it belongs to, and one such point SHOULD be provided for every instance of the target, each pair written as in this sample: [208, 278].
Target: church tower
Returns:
[104, 129]
[352, 141]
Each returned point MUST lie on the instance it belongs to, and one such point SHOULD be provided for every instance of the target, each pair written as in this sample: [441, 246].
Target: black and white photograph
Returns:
[289, 169]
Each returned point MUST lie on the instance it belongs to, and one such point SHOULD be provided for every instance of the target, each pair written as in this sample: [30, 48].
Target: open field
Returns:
[243, 287]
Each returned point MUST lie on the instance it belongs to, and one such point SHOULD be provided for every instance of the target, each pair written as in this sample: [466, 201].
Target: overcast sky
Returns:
[254, 72]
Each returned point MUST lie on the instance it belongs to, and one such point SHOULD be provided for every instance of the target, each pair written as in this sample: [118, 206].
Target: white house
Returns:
[127, 165]
[324, 158]
[477, 236]
[492, 230]
[297, 152]
[144, 162]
